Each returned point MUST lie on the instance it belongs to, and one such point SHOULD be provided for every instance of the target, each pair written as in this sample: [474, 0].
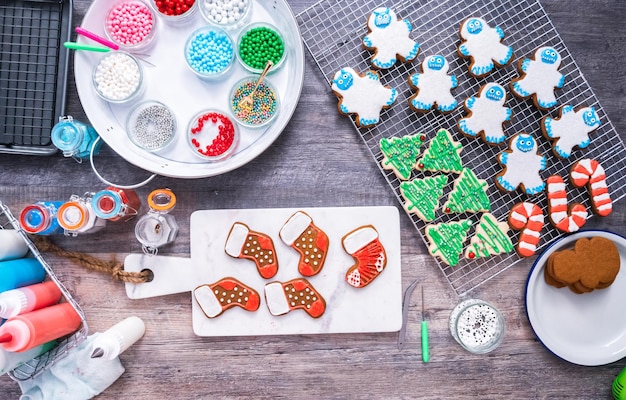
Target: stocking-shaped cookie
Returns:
[311, 242]
[215, 298]
[256, 246]
[369, 254]
[283, 297]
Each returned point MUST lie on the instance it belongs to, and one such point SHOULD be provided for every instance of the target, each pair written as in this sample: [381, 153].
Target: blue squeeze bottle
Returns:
[41, 218]
[20, 272]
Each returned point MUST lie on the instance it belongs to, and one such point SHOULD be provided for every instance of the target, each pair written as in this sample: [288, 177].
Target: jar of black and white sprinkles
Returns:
[227, 14]
[151, 125]
[118, 77]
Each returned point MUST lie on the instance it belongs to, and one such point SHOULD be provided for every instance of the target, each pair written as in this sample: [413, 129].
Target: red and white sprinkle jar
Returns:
[131, 24]
[212, 135]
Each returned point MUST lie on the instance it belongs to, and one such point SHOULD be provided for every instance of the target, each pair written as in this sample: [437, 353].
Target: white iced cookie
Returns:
[486, 114]
[482, 44]
[539, 76]
[522, 166]
[433, 86]
[362, 95]
[570, 129]
[389, 38]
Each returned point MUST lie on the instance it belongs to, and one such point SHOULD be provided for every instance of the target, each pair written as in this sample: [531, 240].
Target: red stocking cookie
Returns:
[565, 218]
[590, 173]
[226, 293]
[258, 247]
[364, 246]
[283, 297]
[311, 242]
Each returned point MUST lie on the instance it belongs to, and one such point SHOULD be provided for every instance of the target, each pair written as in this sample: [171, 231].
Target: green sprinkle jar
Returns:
[258, 43]
[265, 102]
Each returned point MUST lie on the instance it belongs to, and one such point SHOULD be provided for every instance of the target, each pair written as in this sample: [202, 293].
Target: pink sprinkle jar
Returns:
[131, 24]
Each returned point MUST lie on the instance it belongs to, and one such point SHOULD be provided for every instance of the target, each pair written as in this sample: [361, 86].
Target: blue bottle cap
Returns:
[34, 218]
[107, 204]
[67, 136]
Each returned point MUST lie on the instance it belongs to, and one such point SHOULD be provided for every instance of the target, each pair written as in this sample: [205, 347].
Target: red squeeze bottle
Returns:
[34, 328]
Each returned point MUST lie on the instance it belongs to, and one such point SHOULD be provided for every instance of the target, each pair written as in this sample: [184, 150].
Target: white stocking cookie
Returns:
[482, 44]
[522, 166]
[433, 86]
[486, 114]
[362, 95]
[539, 76]
[389, 38]
[570, 129]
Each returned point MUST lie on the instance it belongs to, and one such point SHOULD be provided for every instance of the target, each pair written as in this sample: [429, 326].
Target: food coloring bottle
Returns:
[12, 245]
[77, 216]
[157, 228]
[114, 204]
[115, 340]
[20, 272]
[11, 359]
[28, 298]
[74, 138]
[35, 328]
[41, 218]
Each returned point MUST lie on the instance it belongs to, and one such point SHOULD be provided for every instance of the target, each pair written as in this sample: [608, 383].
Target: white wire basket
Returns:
[333, 32]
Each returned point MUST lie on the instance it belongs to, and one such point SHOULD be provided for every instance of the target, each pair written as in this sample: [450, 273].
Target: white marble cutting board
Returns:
[374, 308]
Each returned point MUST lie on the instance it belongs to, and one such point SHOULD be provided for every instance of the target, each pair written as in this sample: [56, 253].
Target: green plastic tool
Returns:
[87, 47]
[619, 386]
[425, 352]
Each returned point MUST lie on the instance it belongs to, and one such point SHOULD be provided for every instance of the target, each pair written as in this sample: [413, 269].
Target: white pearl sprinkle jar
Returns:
[118, 77]
[131, 24]
[151, 125]
[477, 326]
[227, 14]
[209, 52]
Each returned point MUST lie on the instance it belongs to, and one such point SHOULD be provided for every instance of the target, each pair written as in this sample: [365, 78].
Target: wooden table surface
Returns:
[319, 161]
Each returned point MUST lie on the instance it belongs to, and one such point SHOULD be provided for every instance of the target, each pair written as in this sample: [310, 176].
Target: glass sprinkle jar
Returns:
[118, 77]
[151, 125]
[209, 52]
[131, 25]
[265, 102]
[212, 135]
[477, 326]
[258, 43]
[227, 14]
[175, 11]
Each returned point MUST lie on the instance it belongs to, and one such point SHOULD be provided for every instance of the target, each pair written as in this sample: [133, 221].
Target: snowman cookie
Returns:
[486, 114]
[522, 166]
[433, 86]
[483, 45]
[571, 129]
[362, 95]
[388, 38]
[539, 76]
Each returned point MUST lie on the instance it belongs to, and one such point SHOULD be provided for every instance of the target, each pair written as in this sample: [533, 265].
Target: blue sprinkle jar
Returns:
[209, 52]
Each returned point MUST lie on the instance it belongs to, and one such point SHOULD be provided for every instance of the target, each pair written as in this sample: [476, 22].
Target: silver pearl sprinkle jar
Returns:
[151, 125]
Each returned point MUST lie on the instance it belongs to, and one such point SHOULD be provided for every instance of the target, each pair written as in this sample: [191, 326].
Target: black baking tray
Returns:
[33, 72]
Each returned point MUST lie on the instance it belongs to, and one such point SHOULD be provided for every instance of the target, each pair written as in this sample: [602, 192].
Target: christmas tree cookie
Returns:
[443, 154]
[422, 195]
[447, 239]
[468, 195]
[400, 154]
[491, 238]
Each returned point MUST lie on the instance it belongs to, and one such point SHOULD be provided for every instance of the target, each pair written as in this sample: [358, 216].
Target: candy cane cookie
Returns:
[565, 218]
[528, 218]
[589, 172]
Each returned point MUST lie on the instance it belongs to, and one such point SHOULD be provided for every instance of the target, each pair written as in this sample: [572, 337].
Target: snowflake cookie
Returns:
[539, 76]
[522, 166]
[363, 95]
[482, 44]
[570, 129]
[491, 237]
[389, 38]
[486, 114]
[433, 86]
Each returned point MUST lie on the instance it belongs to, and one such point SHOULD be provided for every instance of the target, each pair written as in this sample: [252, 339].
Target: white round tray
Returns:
[171, 82]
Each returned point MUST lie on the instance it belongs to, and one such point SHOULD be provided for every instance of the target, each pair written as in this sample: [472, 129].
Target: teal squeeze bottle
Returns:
[20, 272]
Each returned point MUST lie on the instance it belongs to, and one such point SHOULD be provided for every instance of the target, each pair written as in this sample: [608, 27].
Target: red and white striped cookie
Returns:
[589, 172]
[528, 218]
[296, 294]
[215, 298]
[364, 246]
[565, 218]
[256, 246]
[311, 242]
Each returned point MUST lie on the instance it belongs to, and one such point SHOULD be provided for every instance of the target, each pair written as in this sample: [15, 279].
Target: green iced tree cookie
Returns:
[443, 154]
[422, 195]
[469, 194]
[400, 154]
[447, 239]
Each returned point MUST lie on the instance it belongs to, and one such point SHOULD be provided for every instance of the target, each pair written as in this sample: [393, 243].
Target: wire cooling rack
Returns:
[33, 72]
[333, 31]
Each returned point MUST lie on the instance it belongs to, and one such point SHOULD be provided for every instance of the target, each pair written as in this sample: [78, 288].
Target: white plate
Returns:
[585, 329]
[172, 82]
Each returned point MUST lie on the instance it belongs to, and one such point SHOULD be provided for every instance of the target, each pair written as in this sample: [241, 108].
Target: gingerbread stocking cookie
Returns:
[258, 247]
[364, 246]
[311, 242]
[296, 294]
[224, 294]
